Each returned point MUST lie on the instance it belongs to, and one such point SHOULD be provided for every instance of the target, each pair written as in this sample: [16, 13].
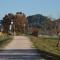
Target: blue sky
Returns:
[49, 8]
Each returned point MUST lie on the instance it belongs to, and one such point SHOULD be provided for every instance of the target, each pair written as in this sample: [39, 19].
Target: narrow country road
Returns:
[19, 42]
[20, 48]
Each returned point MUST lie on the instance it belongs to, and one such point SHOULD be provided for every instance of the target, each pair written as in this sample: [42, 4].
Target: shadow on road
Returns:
[27, 54]
[49, 56]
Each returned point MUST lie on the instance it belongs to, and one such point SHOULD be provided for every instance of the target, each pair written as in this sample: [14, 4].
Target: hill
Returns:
[44, 23]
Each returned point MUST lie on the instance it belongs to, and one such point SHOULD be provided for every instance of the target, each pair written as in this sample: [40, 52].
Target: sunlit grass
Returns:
[46, 44]
[4, 39]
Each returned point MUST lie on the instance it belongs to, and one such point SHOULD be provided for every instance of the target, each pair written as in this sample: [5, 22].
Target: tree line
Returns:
[19, 22]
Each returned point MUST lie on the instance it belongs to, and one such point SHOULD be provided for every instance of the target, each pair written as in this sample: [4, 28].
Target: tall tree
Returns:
[7, 21]
[20, 22]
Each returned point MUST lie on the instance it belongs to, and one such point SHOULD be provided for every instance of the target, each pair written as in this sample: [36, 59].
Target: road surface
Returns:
[20, 42]
[20, 48]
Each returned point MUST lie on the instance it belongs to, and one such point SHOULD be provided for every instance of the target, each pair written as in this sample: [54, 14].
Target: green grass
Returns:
[46, 44]
[4, 39]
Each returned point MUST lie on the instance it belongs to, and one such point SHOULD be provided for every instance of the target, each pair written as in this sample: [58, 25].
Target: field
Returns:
[47, 45]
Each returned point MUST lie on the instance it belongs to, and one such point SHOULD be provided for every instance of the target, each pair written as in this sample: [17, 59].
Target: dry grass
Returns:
[4, 39]
[46, 44]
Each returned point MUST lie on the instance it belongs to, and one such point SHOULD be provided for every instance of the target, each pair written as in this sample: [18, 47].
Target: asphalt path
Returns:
[20, 48]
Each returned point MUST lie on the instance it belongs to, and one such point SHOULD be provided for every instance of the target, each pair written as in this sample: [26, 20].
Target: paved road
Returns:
[19, 42]
[21, 54]
[20, 48]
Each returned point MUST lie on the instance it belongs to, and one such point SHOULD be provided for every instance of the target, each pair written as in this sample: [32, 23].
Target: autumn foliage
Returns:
[35, 31]
[19, 22]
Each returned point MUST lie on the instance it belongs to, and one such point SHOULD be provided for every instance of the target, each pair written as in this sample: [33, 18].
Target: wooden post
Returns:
[58, 40]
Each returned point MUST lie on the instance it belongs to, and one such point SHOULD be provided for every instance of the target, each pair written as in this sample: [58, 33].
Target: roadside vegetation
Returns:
[4, 40]
[47, 45]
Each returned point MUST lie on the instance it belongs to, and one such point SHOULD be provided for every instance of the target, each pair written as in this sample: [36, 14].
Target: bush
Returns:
[35, 32]
[4, 39]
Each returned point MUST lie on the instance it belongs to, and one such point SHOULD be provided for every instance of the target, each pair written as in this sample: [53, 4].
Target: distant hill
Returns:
[36, 20]
[42, 22]
[45, 24]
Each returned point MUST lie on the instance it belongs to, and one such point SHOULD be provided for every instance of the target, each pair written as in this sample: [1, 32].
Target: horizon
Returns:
[47, 8]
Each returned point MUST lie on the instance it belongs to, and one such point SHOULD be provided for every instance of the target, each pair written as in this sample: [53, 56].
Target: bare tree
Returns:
[20, 22]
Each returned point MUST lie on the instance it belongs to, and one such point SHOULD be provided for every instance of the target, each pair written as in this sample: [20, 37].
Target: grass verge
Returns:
[4, 40]
[47, 45]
